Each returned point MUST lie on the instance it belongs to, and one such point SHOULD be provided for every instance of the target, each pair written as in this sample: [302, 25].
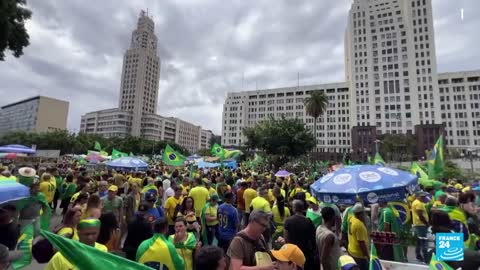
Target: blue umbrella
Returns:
[372, 183]
[17, 148]
[128, 163]
[10, 190]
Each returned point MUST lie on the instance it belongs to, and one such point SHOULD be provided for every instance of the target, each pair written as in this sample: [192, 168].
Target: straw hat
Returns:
[27, 172]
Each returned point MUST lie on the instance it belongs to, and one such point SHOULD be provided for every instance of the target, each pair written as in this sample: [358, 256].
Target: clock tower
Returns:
[140, 73]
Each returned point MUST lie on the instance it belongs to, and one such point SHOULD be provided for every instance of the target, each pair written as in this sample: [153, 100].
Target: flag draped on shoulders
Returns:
[435, 264]
[24, 245]
[46, 213]
[86, 257]
[172, 157]
[190, 243]
[436, 168]
[459, 220]
[157, 252]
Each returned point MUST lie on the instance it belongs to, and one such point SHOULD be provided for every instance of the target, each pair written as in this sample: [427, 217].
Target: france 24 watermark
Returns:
[449, 246]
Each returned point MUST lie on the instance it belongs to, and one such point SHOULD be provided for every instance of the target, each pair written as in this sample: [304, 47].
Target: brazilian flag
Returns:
[172, 157]
[435, 264]
[378, 160]
[436, 168]
[375, 263]
[218, 151]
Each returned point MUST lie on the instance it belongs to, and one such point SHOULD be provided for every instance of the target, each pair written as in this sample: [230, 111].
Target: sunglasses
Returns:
[262, 224]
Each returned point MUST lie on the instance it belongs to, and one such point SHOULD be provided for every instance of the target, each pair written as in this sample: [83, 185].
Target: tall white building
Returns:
[392, 87]
[391, 65]
[140, 73]
[137, 105]
[245, 109]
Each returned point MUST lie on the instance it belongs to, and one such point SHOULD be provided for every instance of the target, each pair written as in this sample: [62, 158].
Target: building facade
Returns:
[392, 87]
[36, 114]
[391, 65]
[460, 108]
[245, 109]
[137, 105]
[205, 137]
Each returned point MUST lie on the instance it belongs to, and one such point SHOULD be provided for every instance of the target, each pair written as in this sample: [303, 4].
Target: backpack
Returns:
[43, 250]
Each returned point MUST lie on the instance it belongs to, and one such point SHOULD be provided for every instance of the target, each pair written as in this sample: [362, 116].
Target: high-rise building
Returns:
[392, 87]
[36, 114]
[391, 65]
[137, 105]
[140, 73]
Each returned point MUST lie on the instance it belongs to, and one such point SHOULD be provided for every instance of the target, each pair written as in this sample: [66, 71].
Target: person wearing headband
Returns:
[88, 230]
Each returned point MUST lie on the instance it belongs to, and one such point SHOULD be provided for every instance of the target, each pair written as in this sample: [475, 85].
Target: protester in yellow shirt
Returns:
[420, 225]
[171, 204]
[211, 218]
[48, 186]
[88, 230]
[358, 241]
[248, 195]
[136, 179]
[261, 202]
[200, 197]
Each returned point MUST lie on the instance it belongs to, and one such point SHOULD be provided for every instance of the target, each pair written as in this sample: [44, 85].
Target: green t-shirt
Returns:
[59, 181]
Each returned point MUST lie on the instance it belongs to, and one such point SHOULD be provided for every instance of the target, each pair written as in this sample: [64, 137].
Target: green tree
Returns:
[215, 139]
[253, 138]
[398, 147]
[13, 34]
[282, 139]
[315, 105]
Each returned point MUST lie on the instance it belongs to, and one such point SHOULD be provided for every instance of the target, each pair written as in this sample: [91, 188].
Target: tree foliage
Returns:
[282, 138]
[315, 105]
[13, 34]
[70, 143]
[398, 147]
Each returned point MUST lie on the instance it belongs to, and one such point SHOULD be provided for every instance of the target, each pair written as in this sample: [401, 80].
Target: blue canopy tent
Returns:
[127, 164]
[229, 163]
[17, 148]
[372, 183]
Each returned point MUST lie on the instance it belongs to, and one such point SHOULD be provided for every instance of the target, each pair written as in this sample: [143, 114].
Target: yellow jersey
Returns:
[48, 189]
[260, 203]
[357, 232]
[248, 195]
[418, 205]
[170, 206]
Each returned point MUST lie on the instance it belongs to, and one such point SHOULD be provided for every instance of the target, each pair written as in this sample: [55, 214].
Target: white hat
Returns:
[27, 172]
[358, 208]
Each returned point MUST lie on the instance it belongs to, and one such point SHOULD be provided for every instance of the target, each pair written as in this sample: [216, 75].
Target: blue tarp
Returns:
[228, 164]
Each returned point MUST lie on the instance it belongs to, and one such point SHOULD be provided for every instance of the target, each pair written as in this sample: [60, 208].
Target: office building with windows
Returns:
[36, 114]
[392, 87]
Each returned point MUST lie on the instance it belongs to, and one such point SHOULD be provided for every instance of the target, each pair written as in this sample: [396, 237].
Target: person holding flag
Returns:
[157, 251]
[88, 230]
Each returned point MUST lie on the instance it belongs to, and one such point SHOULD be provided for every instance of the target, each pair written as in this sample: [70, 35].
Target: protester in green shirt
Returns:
[389, 221]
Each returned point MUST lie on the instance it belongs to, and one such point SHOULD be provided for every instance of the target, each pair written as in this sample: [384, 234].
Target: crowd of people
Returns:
[168, 218]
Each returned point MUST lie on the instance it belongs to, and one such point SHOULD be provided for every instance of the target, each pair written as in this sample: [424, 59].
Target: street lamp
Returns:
[377, 144]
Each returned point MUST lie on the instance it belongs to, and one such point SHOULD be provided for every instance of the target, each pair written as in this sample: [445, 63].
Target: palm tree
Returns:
[315, 105]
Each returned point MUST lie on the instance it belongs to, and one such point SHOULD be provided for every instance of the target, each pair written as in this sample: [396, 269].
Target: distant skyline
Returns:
[205, 47]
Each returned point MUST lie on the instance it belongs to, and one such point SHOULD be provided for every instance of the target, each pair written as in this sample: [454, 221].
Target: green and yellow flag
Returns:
[232, 153]
[218, 151]
[24, 245]
[435, 264]
[117, 154]
[97, 146]
[375, 263]
[87, 257]
[436, 168]
[378, 160]
[158, 253]
[172, 157]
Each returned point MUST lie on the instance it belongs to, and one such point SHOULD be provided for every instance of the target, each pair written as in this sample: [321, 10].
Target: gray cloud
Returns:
[206, 48]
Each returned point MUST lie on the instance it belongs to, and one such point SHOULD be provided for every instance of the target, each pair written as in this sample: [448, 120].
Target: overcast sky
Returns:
[205, 46]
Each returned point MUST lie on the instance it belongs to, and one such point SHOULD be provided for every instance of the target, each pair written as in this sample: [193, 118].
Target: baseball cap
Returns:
[290, 253]
[150, 196]
[312, 200]
[113, 188]
[346, 262]
[8, 256]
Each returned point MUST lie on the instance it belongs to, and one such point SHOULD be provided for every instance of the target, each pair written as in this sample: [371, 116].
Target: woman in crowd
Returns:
[188, 212]
[110, 235]
[185, 242]
[68, 228]
[132, 201]
[280, 214]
